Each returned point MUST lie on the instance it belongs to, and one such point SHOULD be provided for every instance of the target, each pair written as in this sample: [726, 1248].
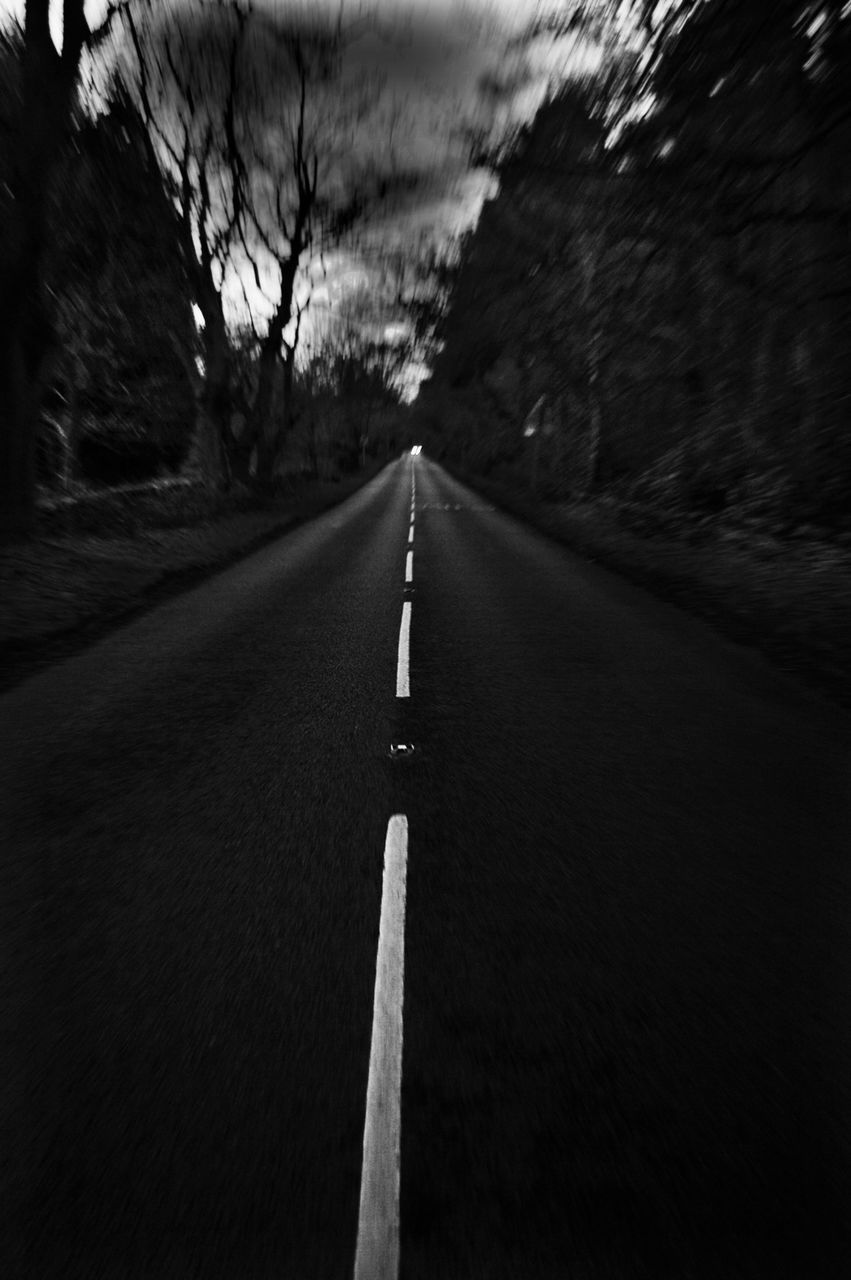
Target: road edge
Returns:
[20, 659]
[804, 664]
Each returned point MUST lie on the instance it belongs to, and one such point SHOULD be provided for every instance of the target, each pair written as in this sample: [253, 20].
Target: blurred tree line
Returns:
[119, 401]
[210, 154]
[662, 287]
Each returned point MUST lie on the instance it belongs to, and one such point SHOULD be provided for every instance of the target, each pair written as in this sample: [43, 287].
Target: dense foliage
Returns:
[674, 278]
[199, 176]
[656, 300]
[120, 401]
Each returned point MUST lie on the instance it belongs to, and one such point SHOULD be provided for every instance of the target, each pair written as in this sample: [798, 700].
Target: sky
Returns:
[444, 69]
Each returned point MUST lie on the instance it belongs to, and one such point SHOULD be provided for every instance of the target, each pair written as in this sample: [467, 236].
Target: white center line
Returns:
[377, 1253]
[403, 687]
[409, 567]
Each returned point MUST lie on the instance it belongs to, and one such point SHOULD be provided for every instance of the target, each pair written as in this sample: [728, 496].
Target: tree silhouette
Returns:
[35, 127]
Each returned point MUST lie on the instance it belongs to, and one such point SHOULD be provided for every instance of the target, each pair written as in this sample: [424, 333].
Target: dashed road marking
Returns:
[403, 685]
[377, 1252]
[409, 567]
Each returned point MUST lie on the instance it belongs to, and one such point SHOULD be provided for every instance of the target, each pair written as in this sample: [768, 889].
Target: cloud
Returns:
[445, 77]
[423, 84]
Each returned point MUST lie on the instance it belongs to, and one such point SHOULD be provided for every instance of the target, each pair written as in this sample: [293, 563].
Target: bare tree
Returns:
[307, 190]
[283, 227]
[193, 91]
[249, 122]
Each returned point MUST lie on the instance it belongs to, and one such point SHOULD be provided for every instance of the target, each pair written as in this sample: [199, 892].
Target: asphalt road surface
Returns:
[627, 935]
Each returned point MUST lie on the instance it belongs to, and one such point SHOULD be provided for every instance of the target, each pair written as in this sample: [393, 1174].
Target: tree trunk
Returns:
[26, 347]
[26, 335]
[264, 425]
[207, 455]
[287, 415]
[25, 339]
[265, 429]
[17, 440]
[207, 458]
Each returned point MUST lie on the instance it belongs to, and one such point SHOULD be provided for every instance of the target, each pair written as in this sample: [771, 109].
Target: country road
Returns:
[625, 906]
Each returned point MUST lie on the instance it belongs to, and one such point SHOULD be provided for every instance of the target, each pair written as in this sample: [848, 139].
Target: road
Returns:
[627, 953]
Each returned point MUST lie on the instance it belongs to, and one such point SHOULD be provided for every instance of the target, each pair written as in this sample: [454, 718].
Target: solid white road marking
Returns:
[403, 686]
[409, 567]
[377, 1253]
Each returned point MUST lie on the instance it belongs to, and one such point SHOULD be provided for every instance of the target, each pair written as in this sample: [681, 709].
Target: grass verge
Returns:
[68, 586]
[788, 596]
